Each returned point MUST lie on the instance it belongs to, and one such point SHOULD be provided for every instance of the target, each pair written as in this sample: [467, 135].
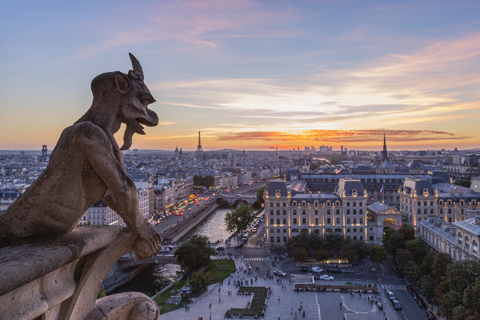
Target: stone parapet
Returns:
[59, 278]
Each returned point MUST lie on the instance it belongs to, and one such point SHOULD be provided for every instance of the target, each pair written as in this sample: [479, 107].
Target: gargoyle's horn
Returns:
[137, 68]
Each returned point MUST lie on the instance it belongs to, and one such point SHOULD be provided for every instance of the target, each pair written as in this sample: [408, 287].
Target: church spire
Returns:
[384, 152]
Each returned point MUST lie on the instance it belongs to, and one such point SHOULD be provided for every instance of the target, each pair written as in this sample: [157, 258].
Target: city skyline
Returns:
[250, 74]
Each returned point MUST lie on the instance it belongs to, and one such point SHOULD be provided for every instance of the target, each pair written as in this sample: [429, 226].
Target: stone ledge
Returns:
[25, 261]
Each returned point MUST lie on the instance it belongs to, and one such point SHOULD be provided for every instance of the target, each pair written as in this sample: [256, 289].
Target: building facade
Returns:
[288, 213]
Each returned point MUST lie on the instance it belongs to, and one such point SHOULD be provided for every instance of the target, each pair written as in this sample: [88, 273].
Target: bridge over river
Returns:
[236, 199]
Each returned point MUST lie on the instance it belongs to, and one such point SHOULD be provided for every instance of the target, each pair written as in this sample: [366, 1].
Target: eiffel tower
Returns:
[199, 148]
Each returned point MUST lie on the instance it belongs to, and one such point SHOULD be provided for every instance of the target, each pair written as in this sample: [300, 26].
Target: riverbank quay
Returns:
[283, 303]
[187, 223]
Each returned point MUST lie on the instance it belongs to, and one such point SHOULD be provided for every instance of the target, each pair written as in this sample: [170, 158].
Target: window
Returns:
[271, 212]
[354, 211]
[425, 211]
[271, 221]
[360, 204]
[449, 211]
[348, 211]
[441, 211]
[294, 230]
[284, 230]
[475, 247]
[348, 220]
[338, 220]
[425, 203]
[328, 211]
[284, 204]
[459, 238]
[316, 220]
[419, 219]
[294, 203]
[272, 239]
[372, 238]
[278, 221]
[354, 229]
[278, 212]
[328, 221]
[338, 211]
[419, 203]
[278, 239]
[271, 204]
[361, 220]
[316, 212]
[284, 212]
[278, 204]
[304, 221]
[294, 221]
[360, 211]
[278, 230]
[303, 212]
[354, 203]
[284, 221]
[354, 220]
[467, 243]
[284, 239]
[431, 211]
[419, 211]
[361, 238]
[449, 219]
[348, 204]
[294, 212]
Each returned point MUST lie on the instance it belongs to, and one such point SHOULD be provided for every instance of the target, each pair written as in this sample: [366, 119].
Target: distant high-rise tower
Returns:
[199, 148]
[44, 150]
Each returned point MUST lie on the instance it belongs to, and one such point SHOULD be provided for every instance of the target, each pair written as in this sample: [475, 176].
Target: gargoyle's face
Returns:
[134, 110]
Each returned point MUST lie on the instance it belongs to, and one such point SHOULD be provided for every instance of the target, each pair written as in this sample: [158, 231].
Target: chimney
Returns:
[438, 222]
[454, 231]
[477, 220]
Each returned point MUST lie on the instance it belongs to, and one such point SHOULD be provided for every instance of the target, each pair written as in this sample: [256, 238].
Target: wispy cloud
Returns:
[348, 136]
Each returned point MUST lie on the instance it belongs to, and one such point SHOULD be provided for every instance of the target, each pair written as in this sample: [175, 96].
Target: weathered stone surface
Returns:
[22, 263]
[87, 165]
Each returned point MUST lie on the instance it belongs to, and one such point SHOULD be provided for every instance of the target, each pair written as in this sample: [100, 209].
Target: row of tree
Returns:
[455, 286]
[200, 181]
[331, 245]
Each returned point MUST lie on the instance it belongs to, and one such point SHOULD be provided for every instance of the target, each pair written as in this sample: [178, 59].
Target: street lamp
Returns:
[219, 294]
[210, 307]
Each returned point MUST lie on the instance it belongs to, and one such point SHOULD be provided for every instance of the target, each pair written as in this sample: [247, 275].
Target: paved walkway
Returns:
[283, 304]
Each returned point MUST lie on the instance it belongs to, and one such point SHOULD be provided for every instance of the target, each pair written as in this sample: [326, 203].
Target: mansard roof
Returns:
[275, 185]
[348, 185]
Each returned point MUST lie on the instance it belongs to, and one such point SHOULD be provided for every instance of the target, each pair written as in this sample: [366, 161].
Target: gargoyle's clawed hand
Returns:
[148, 243]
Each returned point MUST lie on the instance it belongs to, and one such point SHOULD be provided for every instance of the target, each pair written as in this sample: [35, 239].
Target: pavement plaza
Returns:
[283, 304]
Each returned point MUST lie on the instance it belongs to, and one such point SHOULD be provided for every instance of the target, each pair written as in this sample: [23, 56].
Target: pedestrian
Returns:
[340, 305]
[291, 310]
[304, 313]
[278, 298]
[278, 317]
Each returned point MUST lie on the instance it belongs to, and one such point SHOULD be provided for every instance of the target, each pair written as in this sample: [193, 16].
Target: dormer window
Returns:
[329, 203]
[304, 203]
[294, 203]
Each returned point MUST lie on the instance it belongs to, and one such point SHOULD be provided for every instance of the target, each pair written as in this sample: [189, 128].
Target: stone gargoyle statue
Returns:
[87, 165]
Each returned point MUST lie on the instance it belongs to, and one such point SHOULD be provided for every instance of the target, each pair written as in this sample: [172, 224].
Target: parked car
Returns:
[165, 250]
[304, 269]
[410, 289]
[279, 273]
[348, 271]
[391, 296]
[220, 249]
[421, 304]
[430, 315]
[333, 270]
[325, 277]
[396, 305]
[317, 269]
[238, 246]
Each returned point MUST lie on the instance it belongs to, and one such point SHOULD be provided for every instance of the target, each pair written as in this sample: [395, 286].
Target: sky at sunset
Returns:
[250, 74]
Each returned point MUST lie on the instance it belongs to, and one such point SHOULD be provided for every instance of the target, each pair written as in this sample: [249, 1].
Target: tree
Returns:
[427, 286]
[407, 232]
[334, 242]
[362, 249]
[379, 255]
[299, 254]
[260, 194]
[313, 166]
[321, 255]
[403, 257]
[412, 271]
[418, 248]
[198, 282]
[194, 253]
[441, 261]
[348, 252]
[239, 218]
[208, 181]
[393, 241]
